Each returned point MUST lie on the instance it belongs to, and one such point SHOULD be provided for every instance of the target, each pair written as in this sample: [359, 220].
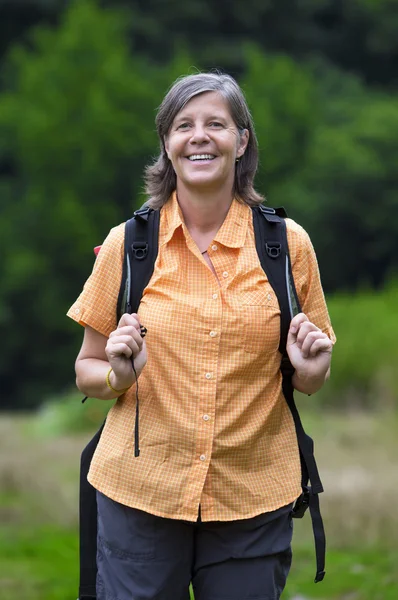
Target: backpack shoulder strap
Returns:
[140, 252]
[273, 252]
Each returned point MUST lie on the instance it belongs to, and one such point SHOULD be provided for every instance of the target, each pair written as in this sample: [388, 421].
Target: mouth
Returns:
[201, 158]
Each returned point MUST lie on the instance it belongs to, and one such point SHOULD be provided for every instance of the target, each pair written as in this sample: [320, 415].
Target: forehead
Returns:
[206, 103]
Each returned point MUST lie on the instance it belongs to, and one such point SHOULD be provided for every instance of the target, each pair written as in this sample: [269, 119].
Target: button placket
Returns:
[212, 315]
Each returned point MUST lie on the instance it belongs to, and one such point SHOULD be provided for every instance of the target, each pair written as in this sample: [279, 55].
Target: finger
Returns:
[309, 340]
[127, 338]
[125, 330]
[134, 340]
[305, 329]
[131, 320]
[120, 349]
[137, 339]
[321, 345]
[296, 322]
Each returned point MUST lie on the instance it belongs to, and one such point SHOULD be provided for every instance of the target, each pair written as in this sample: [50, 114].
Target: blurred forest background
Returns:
[80, 82]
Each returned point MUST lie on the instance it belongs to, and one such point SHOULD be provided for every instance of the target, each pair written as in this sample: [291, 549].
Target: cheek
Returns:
[174, 148]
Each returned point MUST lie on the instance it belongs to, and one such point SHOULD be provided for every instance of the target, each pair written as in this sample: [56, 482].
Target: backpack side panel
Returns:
[135, 276]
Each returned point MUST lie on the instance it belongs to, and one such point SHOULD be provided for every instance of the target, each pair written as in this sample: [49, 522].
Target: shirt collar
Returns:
[232, 232]
[172, 216]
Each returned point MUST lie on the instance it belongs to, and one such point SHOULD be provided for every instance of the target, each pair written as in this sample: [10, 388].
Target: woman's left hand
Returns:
[309, 349]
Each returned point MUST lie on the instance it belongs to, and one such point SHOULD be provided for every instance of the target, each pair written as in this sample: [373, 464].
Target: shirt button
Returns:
[214, 247]
[213, 333]
[205, 417]
[208, 375]
[77, 310]
[202, 457]
[215, 296]
[225, 274]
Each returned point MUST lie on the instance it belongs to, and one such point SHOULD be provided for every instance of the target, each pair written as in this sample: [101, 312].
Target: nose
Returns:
[199, 135]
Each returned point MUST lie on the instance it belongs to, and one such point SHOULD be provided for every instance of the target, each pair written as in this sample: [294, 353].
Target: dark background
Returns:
[80, 83]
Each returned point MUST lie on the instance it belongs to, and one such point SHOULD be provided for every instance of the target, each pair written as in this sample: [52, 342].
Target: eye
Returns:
[183, 126]
[216, 124]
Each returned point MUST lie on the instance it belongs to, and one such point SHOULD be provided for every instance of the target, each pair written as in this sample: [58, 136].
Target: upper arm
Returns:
[96, 305]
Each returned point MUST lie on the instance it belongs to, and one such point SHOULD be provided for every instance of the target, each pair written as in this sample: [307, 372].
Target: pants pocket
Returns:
[125, 532]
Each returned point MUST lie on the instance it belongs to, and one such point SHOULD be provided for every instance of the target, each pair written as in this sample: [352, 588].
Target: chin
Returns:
[203, 182]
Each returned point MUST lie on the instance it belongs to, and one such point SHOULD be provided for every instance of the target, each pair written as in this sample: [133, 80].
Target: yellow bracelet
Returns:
[108, 383]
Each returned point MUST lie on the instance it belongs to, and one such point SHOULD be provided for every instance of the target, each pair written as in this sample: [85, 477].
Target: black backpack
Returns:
[141, 249]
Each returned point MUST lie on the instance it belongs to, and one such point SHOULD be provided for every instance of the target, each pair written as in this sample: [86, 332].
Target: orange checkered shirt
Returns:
[215, 429]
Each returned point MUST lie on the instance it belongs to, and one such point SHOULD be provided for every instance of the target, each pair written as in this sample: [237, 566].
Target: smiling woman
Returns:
[223, 110]
[209, 499]
[203, 145]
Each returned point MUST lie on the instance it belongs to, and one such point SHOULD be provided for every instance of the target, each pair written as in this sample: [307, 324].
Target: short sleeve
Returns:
[307, 278]
[96, 305]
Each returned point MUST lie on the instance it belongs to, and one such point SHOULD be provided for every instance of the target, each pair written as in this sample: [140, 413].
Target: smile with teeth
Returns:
[201, 157]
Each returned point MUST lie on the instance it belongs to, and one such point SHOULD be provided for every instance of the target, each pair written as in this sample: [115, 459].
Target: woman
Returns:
[209, 499]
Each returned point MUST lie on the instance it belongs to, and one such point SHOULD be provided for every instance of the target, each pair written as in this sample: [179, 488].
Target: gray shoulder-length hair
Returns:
[160, 178]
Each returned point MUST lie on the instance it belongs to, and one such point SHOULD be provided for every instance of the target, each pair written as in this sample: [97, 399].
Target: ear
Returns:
[243, 141]
[166, 145]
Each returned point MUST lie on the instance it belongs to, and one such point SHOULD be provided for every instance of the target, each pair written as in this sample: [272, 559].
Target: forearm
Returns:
[91, 379]
[309, 385]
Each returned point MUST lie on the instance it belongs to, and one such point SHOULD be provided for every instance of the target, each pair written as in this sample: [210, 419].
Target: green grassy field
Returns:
[356, 455]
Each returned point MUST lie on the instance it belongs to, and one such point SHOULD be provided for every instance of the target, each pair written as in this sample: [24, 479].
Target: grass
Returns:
[352, 574]
[356, 455]
[39, 562]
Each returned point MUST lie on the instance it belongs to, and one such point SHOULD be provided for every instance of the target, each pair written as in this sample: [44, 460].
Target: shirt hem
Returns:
[110, 493]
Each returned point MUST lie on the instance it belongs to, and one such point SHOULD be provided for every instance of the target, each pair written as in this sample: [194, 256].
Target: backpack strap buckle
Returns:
[142, 213]
[273, 249]
[140, 250]
[267, 210]
[301, 504]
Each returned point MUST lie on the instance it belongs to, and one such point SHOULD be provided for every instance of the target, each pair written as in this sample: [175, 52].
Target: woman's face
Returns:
[203, 144]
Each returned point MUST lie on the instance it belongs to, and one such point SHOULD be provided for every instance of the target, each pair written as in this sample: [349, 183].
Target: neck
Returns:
[203, 212]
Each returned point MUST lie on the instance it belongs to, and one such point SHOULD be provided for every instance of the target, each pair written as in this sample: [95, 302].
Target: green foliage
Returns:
[79, 123]
[328, 153]
[380, 18]
[65, 414]
[363, 373]
[352, 181]
[77, 128]
[278, 92]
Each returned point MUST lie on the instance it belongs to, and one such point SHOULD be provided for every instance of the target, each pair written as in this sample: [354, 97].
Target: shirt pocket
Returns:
[260, 322]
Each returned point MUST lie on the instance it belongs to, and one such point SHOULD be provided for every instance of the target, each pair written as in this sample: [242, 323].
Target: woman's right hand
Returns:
[123, 344]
